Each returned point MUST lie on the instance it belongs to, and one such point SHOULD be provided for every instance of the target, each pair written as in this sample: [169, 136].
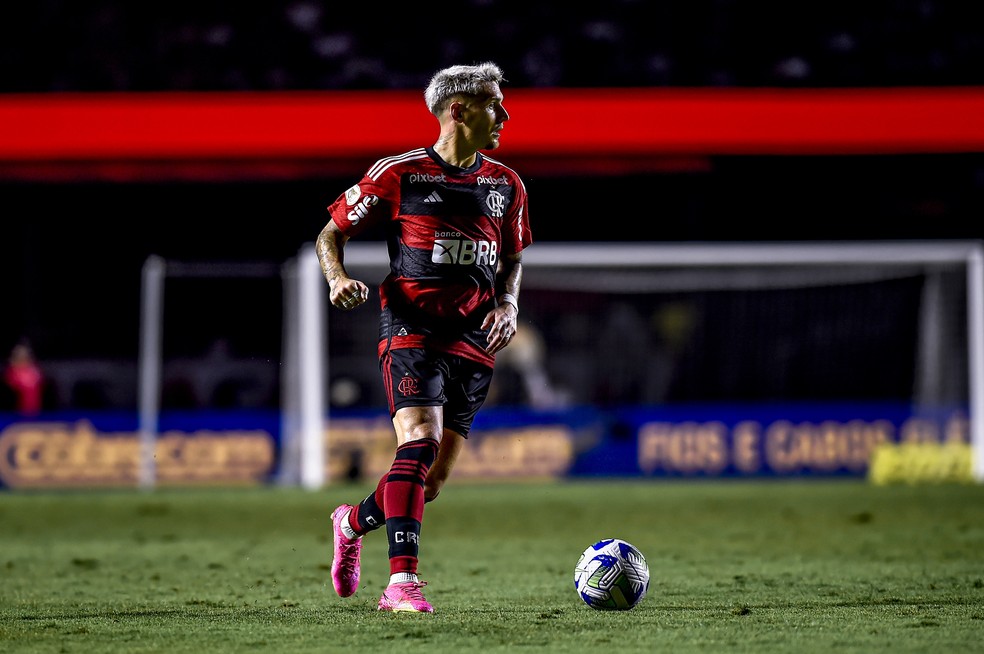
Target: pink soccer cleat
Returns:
[405, 597]
[345, 563]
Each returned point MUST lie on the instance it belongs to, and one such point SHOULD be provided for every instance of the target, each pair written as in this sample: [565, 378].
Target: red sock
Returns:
[403, 501]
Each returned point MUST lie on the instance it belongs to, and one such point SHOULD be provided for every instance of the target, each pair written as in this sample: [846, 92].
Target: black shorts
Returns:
[418, 377]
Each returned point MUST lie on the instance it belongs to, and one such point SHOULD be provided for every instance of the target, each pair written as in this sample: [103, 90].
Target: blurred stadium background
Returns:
[667, 369]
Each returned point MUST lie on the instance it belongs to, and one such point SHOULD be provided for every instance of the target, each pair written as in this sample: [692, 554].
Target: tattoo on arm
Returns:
[329, 247]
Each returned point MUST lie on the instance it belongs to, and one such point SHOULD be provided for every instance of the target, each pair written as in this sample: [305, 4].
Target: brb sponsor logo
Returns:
[462, 251]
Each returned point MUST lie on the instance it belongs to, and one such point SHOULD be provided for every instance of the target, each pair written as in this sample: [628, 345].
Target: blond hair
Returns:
[460, 80]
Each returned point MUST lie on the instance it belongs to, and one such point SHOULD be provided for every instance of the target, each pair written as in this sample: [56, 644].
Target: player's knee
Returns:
[422, 430]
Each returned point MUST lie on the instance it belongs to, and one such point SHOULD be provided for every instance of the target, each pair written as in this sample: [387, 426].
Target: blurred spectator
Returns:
[625, 356]
[25, 381]
[521, 374]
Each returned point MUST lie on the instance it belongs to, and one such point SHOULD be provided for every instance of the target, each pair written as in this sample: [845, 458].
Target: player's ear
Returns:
[456, 109]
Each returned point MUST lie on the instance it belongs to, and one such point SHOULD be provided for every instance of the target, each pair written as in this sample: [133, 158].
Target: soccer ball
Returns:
[611, 575]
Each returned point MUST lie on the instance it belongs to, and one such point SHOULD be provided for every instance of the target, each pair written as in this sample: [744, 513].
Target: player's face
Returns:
[484, 118]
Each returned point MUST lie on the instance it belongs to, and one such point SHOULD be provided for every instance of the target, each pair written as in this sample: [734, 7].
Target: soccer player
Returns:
[456, 225]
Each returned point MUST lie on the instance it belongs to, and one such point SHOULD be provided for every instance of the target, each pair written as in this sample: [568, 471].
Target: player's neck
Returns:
[448, 148]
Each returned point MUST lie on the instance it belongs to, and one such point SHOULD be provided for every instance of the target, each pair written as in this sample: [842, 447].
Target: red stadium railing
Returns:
[202, 135]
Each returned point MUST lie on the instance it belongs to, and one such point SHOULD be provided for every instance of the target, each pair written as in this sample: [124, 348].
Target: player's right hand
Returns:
[348, 294]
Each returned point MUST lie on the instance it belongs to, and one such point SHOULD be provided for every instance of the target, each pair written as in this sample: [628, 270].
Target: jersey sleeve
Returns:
[516, 232]
[363, 205]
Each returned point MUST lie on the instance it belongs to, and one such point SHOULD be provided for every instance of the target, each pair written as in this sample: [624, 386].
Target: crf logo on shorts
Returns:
[409, 386]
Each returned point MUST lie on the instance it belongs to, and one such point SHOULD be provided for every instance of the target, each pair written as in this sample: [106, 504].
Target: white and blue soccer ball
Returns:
[611, 575]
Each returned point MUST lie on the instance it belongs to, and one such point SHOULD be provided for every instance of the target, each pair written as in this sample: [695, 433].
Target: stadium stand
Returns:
[112, 45]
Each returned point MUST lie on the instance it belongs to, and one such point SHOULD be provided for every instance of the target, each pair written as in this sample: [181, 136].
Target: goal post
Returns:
[155, 272]
[304, 414]
[975, 299]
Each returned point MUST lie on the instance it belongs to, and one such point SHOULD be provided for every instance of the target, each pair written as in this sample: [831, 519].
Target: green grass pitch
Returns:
[736, 566]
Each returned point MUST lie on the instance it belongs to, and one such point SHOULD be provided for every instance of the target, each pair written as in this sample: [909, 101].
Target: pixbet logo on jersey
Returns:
[464, 252]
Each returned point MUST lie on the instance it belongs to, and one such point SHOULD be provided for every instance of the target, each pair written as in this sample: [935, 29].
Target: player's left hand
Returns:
[501, 323]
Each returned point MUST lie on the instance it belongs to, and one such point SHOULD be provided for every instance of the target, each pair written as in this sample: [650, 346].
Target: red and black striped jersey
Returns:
[446, 228]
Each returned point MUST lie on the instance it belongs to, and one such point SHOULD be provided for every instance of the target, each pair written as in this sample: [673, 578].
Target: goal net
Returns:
[628, 324]
[611, 325]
